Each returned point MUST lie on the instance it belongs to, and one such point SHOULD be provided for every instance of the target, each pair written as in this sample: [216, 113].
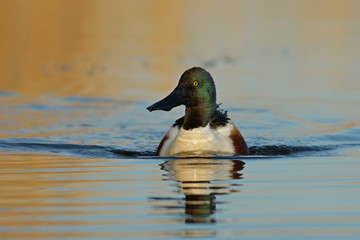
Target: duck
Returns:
[205, 128]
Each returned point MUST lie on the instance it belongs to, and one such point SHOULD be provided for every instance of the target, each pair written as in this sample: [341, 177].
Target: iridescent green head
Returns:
[196, 90]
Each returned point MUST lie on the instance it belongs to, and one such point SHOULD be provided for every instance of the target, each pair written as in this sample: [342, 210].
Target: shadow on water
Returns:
[200, 180]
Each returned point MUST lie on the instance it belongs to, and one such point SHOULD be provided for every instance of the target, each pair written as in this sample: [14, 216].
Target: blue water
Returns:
[74, 168]
[95, 127]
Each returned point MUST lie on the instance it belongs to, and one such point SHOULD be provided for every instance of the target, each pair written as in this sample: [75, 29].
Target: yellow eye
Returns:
[195, 83]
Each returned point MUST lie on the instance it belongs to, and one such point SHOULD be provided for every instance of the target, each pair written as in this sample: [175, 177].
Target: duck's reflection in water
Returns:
[200, 180]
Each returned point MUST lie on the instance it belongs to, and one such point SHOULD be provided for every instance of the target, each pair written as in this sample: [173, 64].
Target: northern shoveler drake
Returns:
[204, 128]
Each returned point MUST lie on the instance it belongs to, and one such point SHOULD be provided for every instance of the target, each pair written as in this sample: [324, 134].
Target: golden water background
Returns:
[124, 49]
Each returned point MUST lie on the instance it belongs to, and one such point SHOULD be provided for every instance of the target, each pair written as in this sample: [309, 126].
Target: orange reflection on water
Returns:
[86, 47]
[57, 191]
[122, 49]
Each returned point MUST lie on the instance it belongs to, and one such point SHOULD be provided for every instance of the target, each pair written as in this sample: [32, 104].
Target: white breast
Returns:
[198, 139]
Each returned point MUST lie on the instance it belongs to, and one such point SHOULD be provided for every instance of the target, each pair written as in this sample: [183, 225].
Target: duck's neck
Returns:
[198, 116]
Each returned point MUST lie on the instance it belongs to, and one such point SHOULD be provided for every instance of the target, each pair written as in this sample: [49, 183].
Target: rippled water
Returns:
[77, 145]
[85, 168]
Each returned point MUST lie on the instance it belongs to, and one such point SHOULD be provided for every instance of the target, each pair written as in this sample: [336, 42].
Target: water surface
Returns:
[77, 145]
[85, 168]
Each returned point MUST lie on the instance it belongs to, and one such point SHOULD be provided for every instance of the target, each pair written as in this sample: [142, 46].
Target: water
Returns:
[77, 145]
[85, 168]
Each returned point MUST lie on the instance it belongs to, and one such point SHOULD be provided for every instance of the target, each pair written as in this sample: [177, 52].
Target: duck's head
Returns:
[196, 90]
